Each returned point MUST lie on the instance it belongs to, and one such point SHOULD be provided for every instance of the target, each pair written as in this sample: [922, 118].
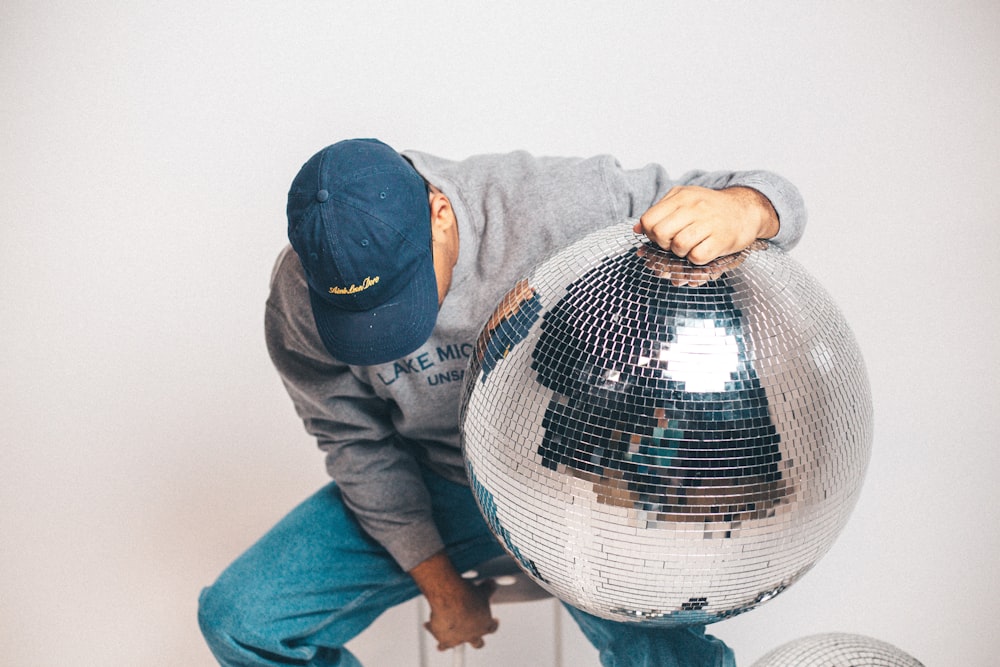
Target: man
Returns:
[395, 263]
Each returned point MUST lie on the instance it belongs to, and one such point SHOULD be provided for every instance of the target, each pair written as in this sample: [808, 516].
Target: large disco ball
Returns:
[659, 442]
[837, 650]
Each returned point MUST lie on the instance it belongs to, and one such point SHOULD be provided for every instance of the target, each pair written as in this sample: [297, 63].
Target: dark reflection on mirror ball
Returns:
[665, 443]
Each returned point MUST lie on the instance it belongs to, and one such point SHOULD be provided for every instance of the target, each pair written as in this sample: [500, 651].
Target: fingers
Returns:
[695, 242]
[679, 223]
[479, 642]
[698, 223]
[667, 217]
[702, 251]
[475, 642]
[463, 615]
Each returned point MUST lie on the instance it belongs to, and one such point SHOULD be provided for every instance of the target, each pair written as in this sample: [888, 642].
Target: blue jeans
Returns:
[316, 580]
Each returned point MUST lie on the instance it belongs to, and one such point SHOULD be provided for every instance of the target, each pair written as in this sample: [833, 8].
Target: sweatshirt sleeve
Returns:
[784, 197]
[380, 481]
[649, 184]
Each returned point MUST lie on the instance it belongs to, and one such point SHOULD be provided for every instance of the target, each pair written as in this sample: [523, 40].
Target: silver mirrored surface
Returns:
[664, 443]
[837, 650]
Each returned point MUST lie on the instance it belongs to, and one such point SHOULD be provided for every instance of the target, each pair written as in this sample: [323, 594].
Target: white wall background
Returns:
[145, 153]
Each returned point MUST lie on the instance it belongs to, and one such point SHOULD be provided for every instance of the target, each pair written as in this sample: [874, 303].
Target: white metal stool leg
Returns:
[557, 621]
[458, 656]
[513, 585]
[421, 631]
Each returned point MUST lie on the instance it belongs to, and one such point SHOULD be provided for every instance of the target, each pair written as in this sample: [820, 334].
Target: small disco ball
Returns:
[664, 443]
[837, 650]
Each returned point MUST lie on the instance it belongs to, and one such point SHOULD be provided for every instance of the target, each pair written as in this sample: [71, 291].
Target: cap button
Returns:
[322, 196]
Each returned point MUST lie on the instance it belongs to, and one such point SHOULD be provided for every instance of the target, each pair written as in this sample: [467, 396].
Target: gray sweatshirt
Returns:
[379, 424]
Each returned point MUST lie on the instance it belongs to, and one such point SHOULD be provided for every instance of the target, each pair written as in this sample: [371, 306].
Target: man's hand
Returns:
[465, 617]
[702, 224]
[460, 609]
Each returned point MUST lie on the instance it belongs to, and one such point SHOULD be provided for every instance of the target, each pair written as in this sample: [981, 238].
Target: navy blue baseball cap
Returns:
[359, 220]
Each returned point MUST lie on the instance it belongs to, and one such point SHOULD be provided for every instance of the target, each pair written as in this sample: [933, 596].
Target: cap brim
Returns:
[383, 334]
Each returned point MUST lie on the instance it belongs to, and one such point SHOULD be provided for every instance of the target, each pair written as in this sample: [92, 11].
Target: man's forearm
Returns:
[438, 579]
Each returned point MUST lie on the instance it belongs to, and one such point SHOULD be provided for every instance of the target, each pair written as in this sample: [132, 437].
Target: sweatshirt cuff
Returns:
[413, 543]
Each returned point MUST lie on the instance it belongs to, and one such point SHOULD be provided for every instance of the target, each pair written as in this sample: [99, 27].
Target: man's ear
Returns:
[442, 215]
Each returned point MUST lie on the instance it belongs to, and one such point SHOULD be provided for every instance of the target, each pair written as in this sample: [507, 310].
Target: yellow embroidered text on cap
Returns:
[354, 289]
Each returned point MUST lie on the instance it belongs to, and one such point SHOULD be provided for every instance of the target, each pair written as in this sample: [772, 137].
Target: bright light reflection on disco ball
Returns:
[658, 442]
[837, 650]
